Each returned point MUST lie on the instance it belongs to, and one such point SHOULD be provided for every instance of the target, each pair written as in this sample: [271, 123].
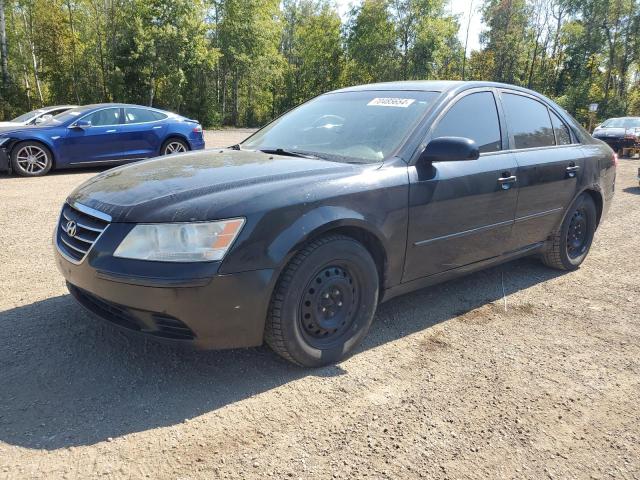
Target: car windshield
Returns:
[365, 126]
[27, 116]
[622, 123]
[63, 117]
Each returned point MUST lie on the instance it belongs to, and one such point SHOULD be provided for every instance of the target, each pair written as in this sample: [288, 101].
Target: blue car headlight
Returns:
[3, 140]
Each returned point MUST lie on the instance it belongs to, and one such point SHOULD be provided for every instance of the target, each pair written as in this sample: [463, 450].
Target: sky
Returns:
[455, 7]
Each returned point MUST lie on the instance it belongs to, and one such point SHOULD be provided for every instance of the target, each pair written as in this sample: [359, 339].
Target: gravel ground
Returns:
[455, 381]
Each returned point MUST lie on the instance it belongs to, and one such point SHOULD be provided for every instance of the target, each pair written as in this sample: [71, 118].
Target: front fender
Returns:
[273, 240]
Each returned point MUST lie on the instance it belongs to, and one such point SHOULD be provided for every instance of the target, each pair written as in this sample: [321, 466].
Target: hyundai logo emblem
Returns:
[71, 228]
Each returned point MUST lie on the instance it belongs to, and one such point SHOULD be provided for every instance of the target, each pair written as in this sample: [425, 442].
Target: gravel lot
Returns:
[448, 384]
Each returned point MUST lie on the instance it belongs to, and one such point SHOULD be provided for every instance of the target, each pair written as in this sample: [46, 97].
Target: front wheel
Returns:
[569, 246]
[31, 159]
[174, 145]
[324, 302]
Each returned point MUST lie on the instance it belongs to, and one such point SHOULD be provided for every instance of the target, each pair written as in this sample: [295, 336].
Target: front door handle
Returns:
[572, 170]
[506, 181]
[111, 131]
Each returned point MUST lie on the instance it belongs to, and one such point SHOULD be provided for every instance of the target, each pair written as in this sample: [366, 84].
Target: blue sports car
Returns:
[102, 134]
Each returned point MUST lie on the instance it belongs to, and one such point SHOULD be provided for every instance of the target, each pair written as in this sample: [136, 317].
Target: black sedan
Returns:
[294, 236]
[619, 133]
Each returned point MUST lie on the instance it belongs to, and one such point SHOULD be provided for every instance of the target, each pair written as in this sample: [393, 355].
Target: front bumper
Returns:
[223, 311]
[617, 143]
[4, 161]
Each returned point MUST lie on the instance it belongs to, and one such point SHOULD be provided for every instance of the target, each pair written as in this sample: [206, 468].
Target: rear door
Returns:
[462, 212]
[550, 165]
[97, 143]
[142, 132]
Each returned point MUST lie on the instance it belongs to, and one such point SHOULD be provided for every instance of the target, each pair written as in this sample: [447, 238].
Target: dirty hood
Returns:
[199, 186]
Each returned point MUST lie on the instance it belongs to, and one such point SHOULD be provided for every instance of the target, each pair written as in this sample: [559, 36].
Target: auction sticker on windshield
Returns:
[391, 102]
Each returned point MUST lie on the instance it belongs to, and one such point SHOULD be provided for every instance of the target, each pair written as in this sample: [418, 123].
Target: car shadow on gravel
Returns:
[634, 190]
[66, 379]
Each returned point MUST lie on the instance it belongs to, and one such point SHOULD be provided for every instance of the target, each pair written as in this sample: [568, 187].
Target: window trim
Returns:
[436, 122]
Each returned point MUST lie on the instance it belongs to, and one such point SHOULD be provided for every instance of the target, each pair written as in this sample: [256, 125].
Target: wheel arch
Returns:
[596, 195]
[173, 135]
[332, 220]
[19, 141]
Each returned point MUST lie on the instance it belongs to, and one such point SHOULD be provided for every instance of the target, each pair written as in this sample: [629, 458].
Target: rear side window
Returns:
[563, 136]
[159, 116]
[105, 117]
[139, 115]
[528, 121]
[474, 116]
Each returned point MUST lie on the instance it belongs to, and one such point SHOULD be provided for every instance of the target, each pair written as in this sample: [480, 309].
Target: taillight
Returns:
[197, 129]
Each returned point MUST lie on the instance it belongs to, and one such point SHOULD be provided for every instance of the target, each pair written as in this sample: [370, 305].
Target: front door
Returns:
[96, 143]
[462, 212]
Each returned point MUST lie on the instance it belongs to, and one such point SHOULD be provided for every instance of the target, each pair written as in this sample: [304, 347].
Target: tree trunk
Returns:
[3, 48]
[74, 77]
[34, 61]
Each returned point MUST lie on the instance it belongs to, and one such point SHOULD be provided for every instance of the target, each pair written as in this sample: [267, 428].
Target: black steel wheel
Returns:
[324, 302]
[569, 246]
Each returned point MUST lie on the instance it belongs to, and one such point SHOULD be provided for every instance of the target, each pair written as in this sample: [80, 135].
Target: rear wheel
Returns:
[174, 145]
[570, 245]
[31, 159]
[324, 302]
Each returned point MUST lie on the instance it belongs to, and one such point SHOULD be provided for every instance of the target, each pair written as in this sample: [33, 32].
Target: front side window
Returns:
[528, 121]
[104, 118]
[139, 115]
[475, 116]
[360, 126]
[563, 136]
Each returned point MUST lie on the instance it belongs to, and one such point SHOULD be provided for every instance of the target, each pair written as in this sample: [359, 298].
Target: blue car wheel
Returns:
[174, 145]
[31, 159]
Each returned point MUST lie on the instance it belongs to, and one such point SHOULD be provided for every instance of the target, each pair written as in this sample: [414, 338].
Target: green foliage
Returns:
[243, 62]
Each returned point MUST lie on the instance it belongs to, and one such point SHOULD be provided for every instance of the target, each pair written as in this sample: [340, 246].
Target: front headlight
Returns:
[180, 242]
[3, 140]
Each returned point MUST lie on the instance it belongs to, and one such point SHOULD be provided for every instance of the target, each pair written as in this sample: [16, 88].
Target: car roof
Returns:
[443, 86]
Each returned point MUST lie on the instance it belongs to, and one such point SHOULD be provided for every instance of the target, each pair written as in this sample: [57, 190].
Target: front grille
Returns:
[156, 324]
[77, 232]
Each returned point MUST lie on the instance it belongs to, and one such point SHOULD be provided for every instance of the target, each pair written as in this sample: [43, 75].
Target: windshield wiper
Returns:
[288, 153]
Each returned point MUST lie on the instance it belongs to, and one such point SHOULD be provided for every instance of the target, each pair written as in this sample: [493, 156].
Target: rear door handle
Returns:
[572, 170]
[506, 181]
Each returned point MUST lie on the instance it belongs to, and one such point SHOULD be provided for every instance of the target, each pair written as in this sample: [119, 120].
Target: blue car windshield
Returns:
[365, 126]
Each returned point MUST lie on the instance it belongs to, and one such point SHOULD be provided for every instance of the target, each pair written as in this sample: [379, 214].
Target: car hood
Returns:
[203, 185]
[11, 124]
[610, 132]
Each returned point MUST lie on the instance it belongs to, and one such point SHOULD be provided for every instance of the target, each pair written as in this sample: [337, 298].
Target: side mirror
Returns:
[449, 149]
[82, 124]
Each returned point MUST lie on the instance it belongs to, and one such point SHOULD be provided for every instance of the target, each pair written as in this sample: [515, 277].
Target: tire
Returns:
[569, 246]
[335, 275]
[31, 159]
[174, 145]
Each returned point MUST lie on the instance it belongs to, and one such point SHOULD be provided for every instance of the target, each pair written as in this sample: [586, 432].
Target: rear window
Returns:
[563, 135]
[139, 115]
[528, 122]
